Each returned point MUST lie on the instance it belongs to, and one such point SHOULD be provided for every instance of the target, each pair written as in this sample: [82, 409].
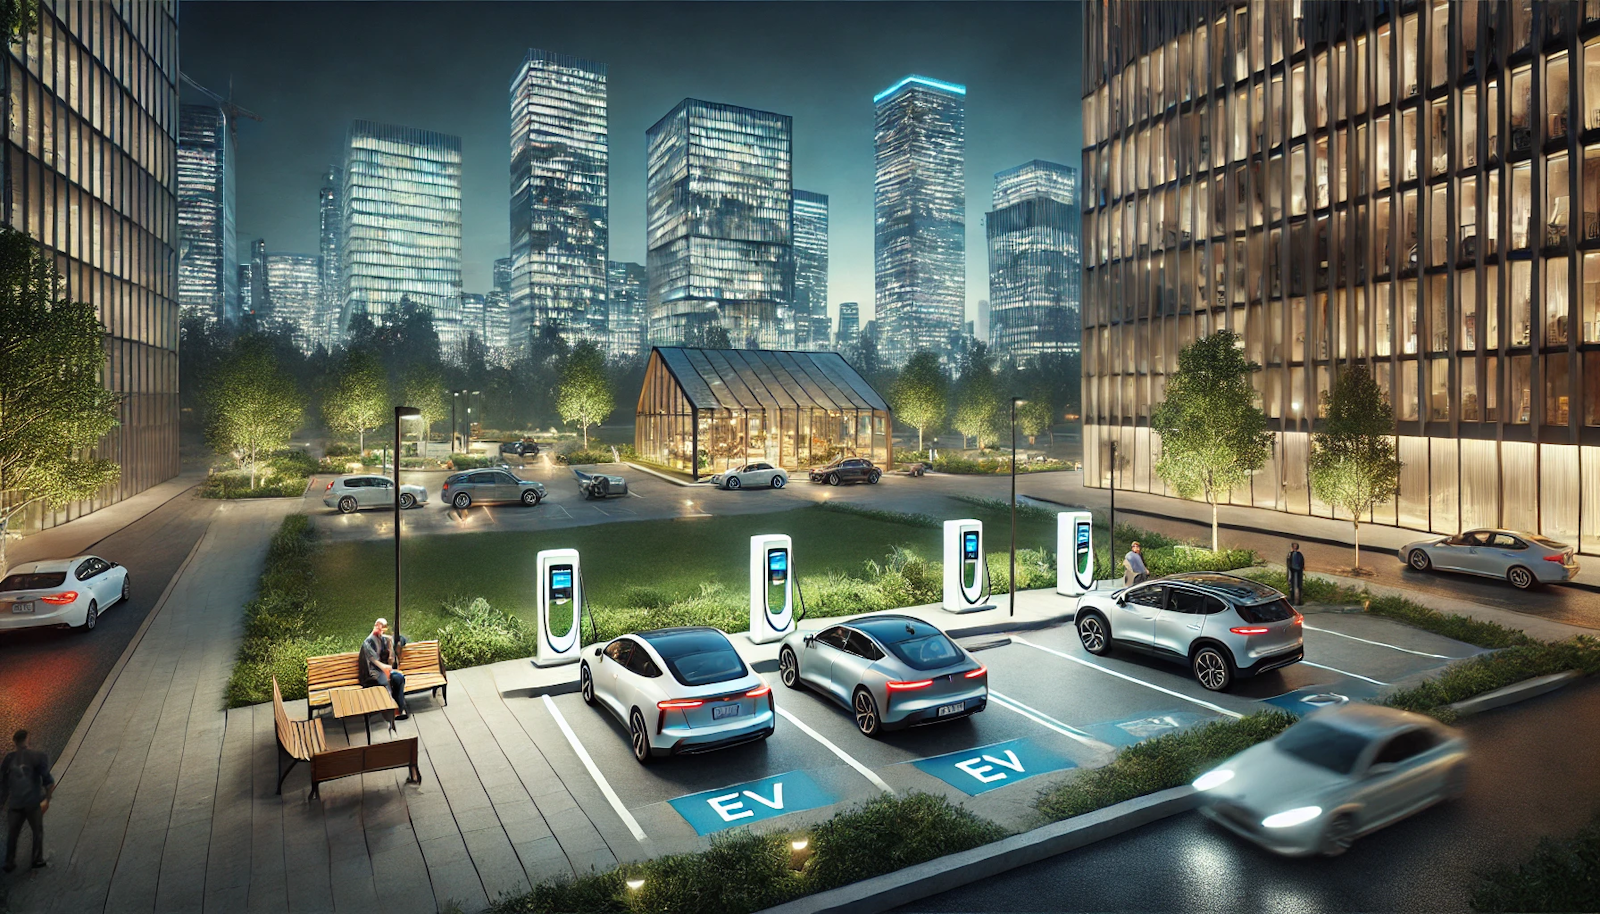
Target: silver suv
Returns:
[1221, 626]
[462, 490]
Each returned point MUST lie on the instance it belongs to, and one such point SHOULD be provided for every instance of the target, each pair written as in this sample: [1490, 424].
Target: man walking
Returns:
[1296, 564]
[379, 657]
[25, 790]
[1133, 570]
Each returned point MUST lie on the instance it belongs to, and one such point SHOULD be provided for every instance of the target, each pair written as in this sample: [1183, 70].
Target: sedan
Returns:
[352, 493]
[751, 474]
[600, 485]
[678, 691]
[464, 489]
[890, 671]
[847, 469]
[1341, 773]
[1524, 559]
[61, 592]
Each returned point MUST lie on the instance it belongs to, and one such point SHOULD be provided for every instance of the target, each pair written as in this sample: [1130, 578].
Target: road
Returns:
[48, 676]
[1532, 767]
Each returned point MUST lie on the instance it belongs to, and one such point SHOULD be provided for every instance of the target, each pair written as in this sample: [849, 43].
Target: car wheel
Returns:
[90, 618]
[733, 482]
[407, 501]
[462, 500]
[530, 498]
[833, 479]
[639, 737]
[1095, 634]
[586, 684]
[124, 589]
[1419, 560]
[789, 668]
[1212, 669]
[866, 711]
[347, 504]
[1340, 835]
[1521, 578]
[873, 477]
[779, 482]
[1455, 785]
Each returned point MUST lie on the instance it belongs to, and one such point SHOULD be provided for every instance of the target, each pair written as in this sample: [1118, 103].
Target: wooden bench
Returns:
[303, 741]
[419, 660]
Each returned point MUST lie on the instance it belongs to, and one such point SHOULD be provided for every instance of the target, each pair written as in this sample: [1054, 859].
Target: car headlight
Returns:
[1213, 779]
[1292, 817]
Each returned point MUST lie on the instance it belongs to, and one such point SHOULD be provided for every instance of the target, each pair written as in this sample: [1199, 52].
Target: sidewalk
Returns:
[80, 535]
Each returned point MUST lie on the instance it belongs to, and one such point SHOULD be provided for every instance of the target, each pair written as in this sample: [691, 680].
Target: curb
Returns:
[891, 890]
[1511, 694]
[665, 478]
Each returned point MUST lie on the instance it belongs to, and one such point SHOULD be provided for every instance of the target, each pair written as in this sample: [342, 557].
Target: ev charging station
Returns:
[1074, 553]
[965, 572]
[560, 591]
[771, 587]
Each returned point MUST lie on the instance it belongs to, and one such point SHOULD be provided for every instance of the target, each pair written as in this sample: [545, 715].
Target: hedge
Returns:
[1557, 876]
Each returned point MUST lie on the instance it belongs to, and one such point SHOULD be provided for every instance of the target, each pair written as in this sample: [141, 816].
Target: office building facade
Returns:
[849, 332]
[1396, 185]
[208, 260]
[474, 311]
[810, 308]
[627, 296]
[329, 225]
[1034, 263]
[294, 296]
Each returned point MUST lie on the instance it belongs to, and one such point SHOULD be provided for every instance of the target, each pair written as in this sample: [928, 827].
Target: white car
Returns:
[678, 691]
[751, 474]
[61, 592]
[348, 494]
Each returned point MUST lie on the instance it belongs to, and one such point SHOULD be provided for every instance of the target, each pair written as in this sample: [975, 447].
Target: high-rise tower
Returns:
[208, 263]
[1034, 262]
[810, 307]
[329, 227]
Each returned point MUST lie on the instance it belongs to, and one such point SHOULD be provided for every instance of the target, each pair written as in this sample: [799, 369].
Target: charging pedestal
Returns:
[771, 587]
[1074, 553]
[560, 592]
[964, 569]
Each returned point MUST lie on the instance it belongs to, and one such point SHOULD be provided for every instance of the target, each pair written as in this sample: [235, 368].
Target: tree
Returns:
[53, 406]
[423, 388]
[920, 394]
[1353, 463]
[1213, 435]
[978, 401]
[1033, 417]
[358, 398]
[254, 404]
[584, 397]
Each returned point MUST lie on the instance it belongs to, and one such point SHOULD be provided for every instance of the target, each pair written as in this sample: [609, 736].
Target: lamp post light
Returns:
[455, 427]
[1015, 402]
[400, 413]
[1111, 524]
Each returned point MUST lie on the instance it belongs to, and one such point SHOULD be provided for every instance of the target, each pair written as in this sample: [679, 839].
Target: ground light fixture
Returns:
[1011, 604]
[635, 885]
[401, 413]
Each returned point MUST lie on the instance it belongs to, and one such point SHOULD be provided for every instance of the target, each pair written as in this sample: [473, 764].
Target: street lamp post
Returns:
[1015, 402]
[1111, 525]
[454, 427]
[400, 413]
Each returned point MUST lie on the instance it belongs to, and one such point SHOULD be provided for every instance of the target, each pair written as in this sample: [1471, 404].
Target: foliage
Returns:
[238, 485]
[895, 517]
[480, 634]
[920, 393]
[989, 466]
[1034, 417]
[889, 833]
[1353, 464]
[473, 461]
[597, 455]
[585, 397]
[978, 400]
[1036, 568]
[254, 404]
[1213, 435]
[1559, 875]
[707, 336]
[340, 449]
[358, 398]
[1487, 672]
[18, 18]
[422, 386]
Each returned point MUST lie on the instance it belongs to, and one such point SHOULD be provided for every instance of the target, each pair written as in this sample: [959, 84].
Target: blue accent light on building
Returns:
[921, 80]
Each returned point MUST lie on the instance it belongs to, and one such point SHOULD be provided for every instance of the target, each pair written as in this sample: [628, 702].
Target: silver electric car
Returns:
[891, 671]
[1221, 626]
[463, 490]
[1522, 559]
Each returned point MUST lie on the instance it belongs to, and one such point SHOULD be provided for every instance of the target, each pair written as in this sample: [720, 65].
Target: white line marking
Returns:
[1392, 647]
[1045, 720]
[863, 769]
[1345, 673]
[1149, 685]
[594, 772]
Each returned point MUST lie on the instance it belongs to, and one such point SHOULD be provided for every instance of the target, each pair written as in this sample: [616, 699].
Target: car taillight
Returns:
[908, 686]
[1298, 618]
[330, 486]
[1250, 630]
[758, 691]
[974, 674]
[62, 598]
[1562, 559]
[446, 487]
[681, 705]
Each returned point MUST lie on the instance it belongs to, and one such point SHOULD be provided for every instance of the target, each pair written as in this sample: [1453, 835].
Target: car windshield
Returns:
[698, 657]
[1322, 745]
[36, 581]
[928, 652]
[1262, 613]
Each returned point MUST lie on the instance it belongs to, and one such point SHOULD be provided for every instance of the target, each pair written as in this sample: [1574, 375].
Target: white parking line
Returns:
[1345, 673]
[863, 769]
[594, 772]
[1045, 720]
[1149, 685]
[1392, 647]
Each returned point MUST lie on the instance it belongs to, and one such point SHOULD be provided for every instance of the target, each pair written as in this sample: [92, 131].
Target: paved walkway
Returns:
[77, 536]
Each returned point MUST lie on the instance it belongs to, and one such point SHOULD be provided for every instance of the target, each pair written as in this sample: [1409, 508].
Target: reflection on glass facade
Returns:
[626, 298]
[703, 411]
[208, 262]
[1396, 185]
[719, 222]
[328, 227]
[559, 167]
[401, 219]
[849, 332]
[497, 309]
[1034, 262]
[90, 164]
[920, 215]
[294, 294]
[260, 303]
[474, 311]
[449, 323]
[810, 308]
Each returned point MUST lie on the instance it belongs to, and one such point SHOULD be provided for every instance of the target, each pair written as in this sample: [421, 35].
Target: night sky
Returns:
[310, 68]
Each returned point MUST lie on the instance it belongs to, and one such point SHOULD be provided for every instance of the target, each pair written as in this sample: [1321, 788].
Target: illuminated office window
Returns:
[1520, 303]
[1468, 127]
[1558, 204]
[1555, 301]
[1591, 298]
[1555, 97]
[1439, 44]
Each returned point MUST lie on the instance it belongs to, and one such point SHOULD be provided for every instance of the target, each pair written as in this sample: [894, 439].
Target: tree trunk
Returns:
[361, 444]
[1356, 523]
[1213, 526]
[585, 436]
[919, 437]
[252, 469]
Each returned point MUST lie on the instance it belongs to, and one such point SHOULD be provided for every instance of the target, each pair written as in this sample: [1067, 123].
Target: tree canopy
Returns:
[978, 401]
[423, 387]
[358, 398]
[1353, 464]
[255, 405]
[584, 397]
[919, 395]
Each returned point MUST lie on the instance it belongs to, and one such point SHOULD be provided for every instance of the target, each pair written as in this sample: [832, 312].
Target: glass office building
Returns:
[1034, 262]
[626, 301]
[208, 261]
[849, 331]
[810, 309]
[719, 219]
[920, 216]
[294, 296]
[1414, 186]
[732, 406]
[329, 225]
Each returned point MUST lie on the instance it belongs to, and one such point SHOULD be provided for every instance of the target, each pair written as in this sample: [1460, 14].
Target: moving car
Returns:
[525, 447]
[1341, 773]
[600, 485]
[1221, 626]
[678, 691]
[1524, 559]
[351, 493]
[61, 592]
[891, 671]
[462, 490]
[847, 469]
[751, 474]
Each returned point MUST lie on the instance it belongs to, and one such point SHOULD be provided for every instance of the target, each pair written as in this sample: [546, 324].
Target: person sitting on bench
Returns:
[379, 657]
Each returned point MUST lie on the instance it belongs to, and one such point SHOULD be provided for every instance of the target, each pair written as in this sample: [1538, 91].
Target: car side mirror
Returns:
[808, 639]
[599, 653]
[1380, 769]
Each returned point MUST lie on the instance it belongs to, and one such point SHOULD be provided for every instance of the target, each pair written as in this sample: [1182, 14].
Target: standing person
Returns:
[25, 790]
[1297, 572]
[378, 662]
[1133, 570]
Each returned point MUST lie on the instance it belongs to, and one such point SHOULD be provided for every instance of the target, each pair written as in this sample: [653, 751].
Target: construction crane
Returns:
[232, 111]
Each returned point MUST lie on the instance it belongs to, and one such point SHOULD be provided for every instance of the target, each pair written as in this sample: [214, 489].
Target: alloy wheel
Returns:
[1093, 634]
[733, 482]
[1520, 578]
[873, 477]
[1420, 560]
[866, 713]
[1341, 834]
[1211, 669]
[91, 617]
[789, 668]
[462, 501]
[833, 479]
[530, 498]
[778, 482]
[586, 684]
[347, 505]
[124, 587]
[408, 501]
[639, 737]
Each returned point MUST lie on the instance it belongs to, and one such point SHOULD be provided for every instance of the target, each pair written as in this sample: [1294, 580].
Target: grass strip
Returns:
[1559, 875]
[1465, 629]
[891, 517]
[1487, 672]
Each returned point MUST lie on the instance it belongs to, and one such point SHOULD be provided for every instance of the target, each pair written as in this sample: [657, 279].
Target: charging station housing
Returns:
[1074, 553]
[965, 571]
[559, 591]
[771, 587]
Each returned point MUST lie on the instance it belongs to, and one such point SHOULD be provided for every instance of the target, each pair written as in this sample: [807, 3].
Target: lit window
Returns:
[1556, 284]
[1555, 96]
[1558, 205]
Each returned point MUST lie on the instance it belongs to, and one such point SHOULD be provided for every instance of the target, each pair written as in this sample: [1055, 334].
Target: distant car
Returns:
[678, 691]
[1342, 772]
[348, 494]
[1221, 626]
[525, 447]
[890, 671]
[751, 474]
[61, 592]
[600, 485]
[847, 469]
[1523, 559]
[462, 490]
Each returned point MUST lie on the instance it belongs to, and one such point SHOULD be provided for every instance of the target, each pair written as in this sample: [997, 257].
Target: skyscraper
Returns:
[401, 220]
[247, 289]
[1034, 262]
[919, 215]
[260, 295]
[473, 310]
[849, 325]
[559, 171]
[718, 223]
[208, 263]
[810, 307]
[294, 296]
[626, 297]
[329, 225]
[497, 309]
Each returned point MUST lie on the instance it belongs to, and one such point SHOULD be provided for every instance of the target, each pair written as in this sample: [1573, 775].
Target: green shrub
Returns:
[340, 449]
[741, 872]
[1035, 568]
[1176, 559]
[888, 833]
[893, 517]
[292, 462]
[235, 484]
[592, 893]
[478, 634]
[472, 461]
[1001, 506]
[1487, 672]
[1451, 625]
[968, 466]
[1557, 876]
[596, 454]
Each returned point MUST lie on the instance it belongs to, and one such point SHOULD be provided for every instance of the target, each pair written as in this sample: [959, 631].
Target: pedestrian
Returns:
[1296, 564]
[378, 665]
[1133, 570]
[25, 790]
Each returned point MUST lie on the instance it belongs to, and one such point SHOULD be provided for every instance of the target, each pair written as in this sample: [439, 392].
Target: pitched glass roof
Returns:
[746, 379]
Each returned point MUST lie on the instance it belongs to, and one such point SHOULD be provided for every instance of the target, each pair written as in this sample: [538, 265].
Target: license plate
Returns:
[22, 607]
[721, 711]
[956, 708]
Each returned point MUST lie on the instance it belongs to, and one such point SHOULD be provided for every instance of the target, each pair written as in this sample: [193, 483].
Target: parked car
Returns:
[61, 592]
[600, 485]
[847, 469]
[890, 671]
[1223, 627]
[352, 493]
[1342, 772]
[525, 447]
[751, 474]
[463, 490]
[1524, 559]
[678, 691]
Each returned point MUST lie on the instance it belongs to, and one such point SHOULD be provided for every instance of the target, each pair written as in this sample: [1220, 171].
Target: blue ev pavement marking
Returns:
[1303, 701]
[1122, 733]
[975, 771]
[744, 804]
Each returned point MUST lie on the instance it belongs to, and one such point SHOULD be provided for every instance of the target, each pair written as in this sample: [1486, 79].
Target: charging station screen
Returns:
[969, 546]
[560, 583]
[777, 566]
[1083, 537]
